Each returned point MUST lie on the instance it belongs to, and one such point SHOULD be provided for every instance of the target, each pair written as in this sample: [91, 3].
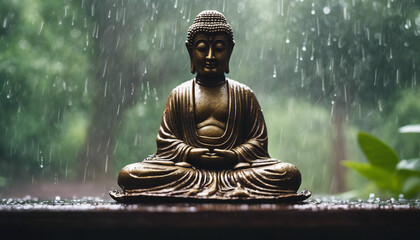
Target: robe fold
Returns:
[245, 131]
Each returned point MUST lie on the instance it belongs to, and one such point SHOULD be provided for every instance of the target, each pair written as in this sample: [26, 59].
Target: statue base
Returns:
[144, 197]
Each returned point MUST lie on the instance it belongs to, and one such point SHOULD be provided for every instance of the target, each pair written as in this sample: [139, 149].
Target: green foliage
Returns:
[377, 152]
[43, 88]
[385, 168]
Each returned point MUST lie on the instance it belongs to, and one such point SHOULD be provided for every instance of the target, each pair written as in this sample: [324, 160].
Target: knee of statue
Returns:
[212, 139]
[292, 174]
[125, 179]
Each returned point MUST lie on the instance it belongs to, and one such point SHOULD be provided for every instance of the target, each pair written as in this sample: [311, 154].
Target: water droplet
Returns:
[274, 72]
[313, 9]
[5, 22]
[407, 24]
[326, 10]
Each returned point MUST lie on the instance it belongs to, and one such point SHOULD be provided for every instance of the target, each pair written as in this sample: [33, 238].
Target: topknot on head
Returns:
[210, 21]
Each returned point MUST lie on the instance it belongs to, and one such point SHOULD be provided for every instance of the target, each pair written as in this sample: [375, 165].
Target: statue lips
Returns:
[210, 65]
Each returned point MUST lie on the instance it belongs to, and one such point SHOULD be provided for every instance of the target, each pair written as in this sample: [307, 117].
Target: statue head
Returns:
[210, 44]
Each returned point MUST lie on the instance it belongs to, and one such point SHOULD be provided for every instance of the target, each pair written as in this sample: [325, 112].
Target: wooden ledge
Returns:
[107, 219]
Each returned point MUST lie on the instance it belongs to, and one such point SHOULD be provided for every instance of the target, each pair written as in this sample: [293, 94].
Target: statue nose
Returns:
[210, 54]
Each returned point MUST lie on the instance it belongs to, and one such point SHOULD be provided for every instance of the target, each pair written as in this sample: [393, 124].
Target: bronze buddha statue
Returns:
[212, 141]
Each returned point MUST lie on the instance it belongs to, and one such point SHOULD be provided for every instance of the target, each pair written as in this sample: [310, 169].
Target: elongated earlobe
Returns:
[192, 68]
[227, 64]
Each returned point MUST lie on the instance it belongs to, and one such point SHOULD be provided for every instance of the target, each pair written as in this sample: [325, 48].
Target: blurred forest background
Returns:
[83, 83]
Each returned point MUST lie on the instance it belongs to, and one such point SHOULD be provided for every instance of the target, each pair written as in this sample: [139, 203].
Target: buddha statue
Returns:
[212, 141]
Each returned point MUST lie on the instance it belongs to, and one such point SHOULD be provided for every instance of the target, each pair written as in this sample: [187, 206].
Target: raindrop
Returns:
[345, 13]
[304, 48]
[104, 71]
[274, 71]
[66, 169]
[380, 105]
[302, 76]
[317, 26]
[313, 9]
[407, 24]
[312, 52]
[326, 10]
[123, 23]
[280, 7]
[5, 22]
[132, 89]
[106, 86]
[345, 92]
[40, 29]
[329, 39]
[92, 9]
[376, 77]
[368, 34]
[106, 163]
[41, 163]
[363, 54]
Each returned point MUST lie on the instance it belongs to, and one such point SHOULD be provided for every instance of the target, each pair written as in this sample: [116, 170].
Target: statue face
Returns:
[210, 54]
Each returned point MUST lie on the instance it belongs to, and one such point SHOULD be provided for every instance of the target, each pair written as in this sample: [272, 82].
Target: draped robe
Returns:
[245, 134]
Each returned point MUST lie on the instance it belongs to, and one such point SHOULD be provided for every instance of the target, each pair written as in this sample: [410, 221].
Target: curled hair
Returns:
[209, 21]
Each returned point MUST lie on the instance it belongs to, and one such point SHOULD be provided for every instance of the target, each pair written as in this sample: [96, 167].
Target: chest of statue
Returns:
[211, 109]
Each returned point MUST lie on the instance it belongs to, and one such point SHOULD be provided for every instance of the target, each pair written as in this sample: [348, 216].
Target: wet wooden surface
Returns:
[107, 219]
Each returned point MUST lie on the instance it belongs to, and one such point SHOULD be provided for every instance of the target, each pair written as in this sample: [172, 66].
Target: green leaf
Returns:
[377, 152]
[385, 180]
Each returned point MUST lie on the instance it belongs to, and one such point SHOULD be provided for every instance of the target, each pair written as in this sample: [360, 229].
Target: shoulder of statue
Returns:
[183, 86]
[239, 86]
